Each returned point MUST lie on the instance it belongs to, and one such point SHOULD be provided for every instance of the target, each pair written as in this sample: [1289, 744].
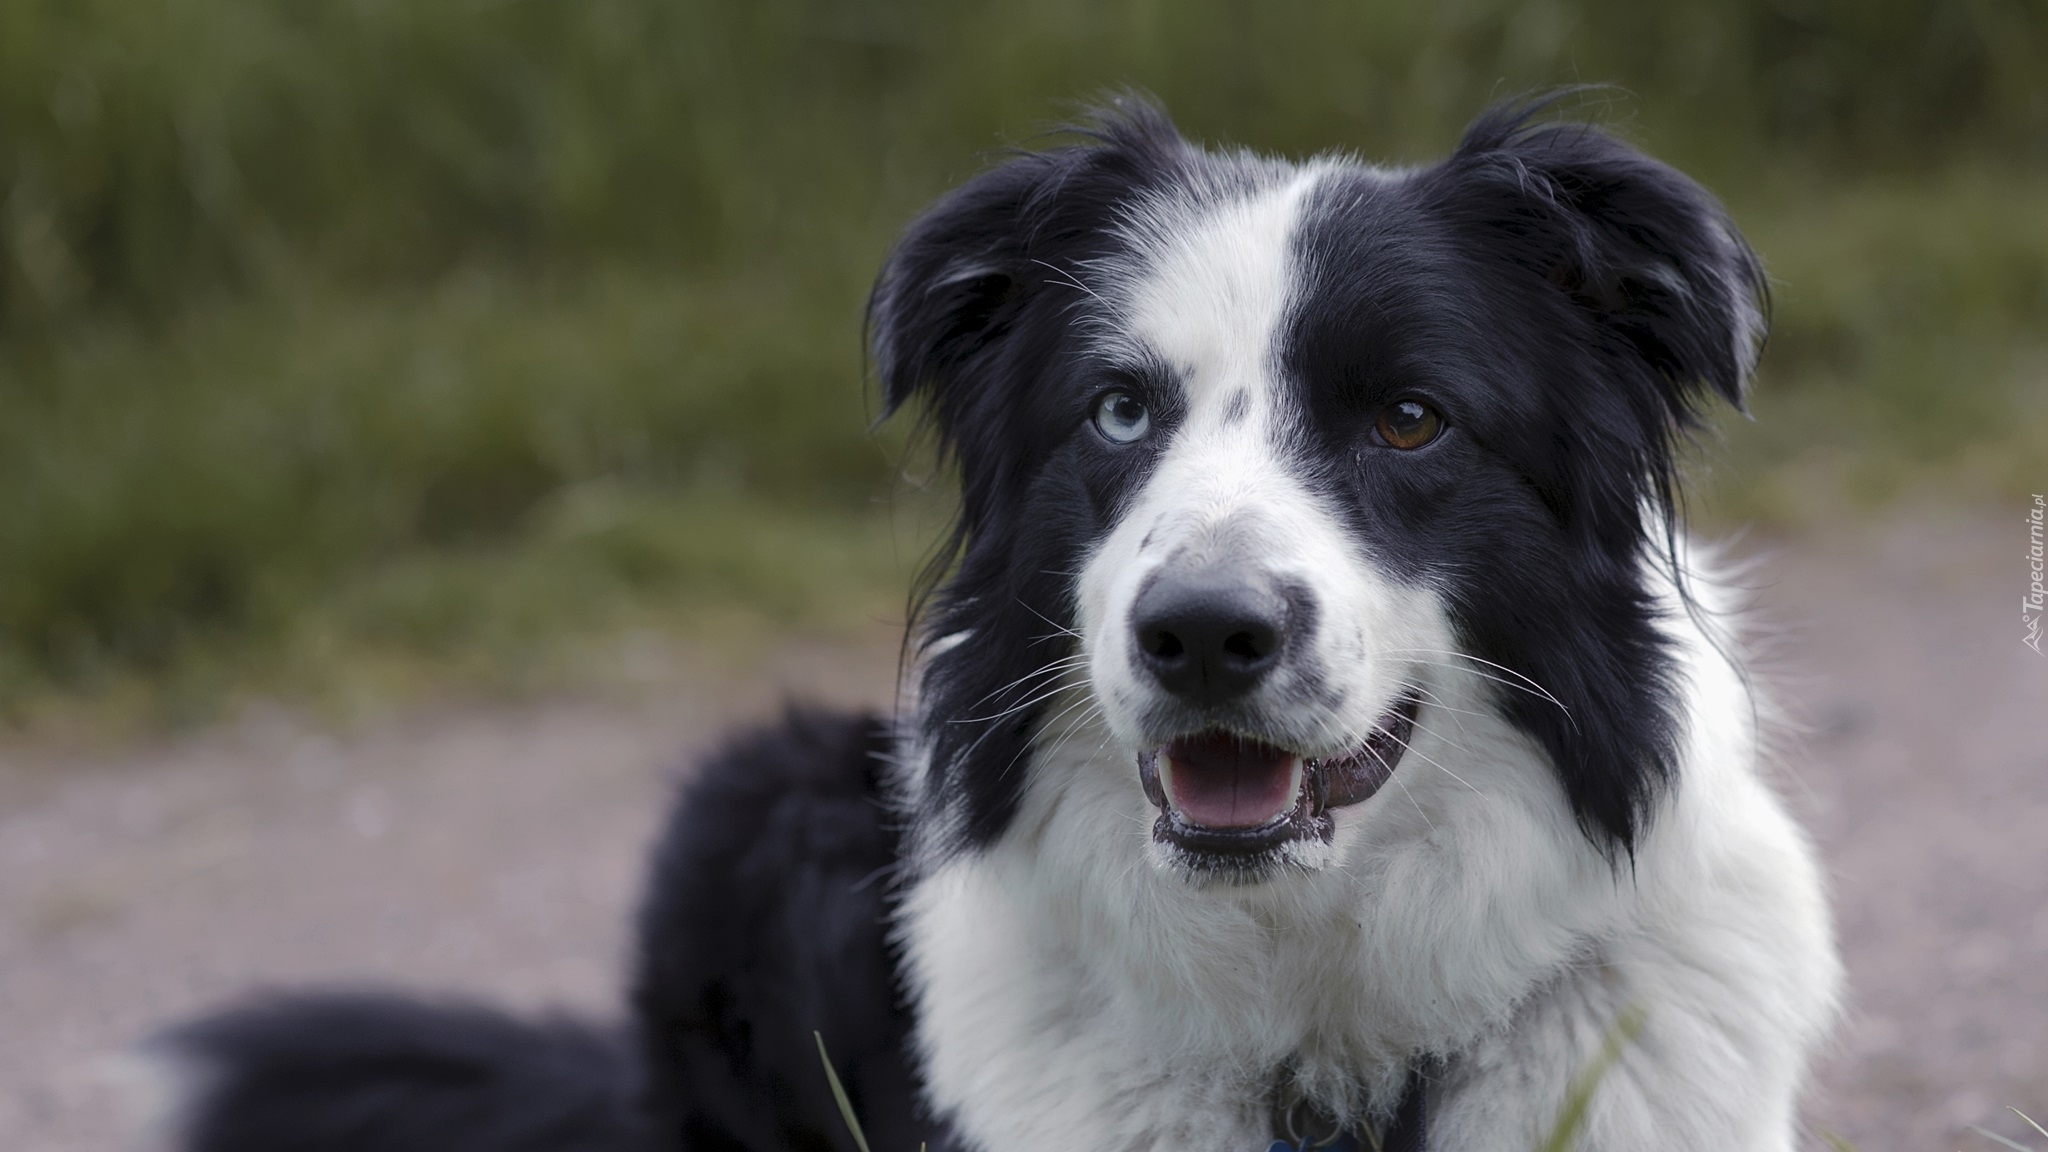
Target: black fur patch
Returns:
[764, 922]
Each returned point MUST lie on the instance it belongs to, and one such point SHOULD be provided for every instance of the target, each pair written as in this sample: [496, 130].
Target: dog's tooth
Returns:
[1318, 785]
[1151, 776]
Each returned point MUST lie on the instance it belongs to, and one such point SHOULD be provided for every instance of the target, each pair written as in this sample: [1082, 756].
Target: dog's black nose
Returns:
[1210, 636]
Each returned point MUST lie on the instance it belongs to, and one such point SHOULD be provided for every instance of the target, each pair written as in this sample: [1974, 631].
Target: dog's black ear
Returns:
[1647, 254]
[974, 268]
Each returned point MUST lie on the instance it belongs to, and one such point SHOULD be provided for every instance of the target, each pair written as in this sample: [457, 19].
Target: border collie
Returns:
[1319, 734]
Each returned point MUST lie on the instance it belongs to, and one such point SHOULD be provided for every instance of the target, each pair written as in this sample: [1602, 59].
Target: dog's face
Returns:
[1258, 452]
[1242, 635]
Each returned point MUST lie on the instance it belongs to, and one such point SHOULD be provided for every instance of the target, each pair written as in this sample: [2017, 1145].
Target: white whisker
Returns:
[1411, 750]
[1519, 680]
[1013, 709]
[1062, 663]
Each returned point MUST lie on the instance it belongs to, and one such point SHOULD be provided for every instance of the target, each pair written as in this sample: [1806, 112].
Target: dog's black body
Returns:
[763, 923]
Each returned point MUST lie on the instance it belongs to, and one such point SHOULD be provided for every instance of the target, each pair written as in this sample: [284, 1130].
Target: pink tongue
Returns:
[1222, 781]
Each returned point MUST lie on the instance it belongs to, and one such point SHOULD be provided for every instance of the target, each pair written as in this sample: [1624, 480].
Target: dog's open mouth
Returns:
[1224, 794]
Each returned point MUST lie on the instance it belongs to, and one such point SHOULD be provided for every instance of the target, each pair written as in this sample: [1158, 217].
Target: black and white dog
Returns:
[1318, 735]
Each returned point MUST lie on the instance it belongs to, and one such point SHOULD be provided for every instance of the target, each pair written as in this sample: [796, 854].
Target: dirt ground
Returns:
[495, 851]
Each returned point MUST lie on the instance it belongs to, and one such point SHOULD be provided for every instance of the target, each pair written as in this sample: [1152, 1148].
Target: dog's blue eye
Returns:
[1121, 419]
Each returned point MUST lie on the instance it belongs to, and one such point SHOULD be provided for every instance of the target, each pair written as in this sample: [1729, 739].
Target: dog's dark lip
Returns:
[1328, 782]
[1355, 776]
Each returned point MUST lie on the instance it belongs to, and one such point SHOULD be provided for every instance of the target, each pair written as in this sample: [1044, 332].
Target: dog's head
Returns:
[1253, 451]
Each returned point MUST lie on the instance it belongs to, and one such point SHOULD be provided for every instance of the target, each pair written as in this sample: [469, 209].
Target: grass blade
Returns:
[2015, 1145]
[839, 1093]
[2030, 1122]
[1571, 1115]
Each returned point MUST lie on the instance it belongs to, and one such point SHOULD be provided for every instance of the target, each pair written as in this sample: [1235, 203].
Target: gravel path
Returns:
[495, 852]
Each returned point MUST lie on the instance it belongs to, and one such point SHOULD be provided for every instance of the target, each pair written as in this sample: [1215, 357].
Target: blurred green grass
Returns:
[289, 490]
[442, 336]
[1908, 351]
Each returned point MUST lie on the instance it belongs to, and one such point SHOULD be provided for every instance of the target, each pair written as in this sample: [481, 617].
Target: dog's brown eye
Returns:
[1409, 424]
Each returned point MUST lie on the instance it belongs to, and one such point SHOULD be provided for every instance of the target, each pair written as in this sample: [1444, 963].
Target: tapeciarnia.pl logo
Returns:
[2036, 601]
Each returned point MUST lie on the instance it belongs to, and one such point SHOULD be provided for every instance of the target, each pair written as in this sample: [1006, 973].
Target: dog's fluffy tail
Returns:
[360, 1072]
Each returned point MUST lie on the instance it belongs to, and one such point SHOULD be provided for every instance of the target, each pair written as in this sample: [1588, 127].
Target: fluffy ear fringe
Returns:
[1652, 253]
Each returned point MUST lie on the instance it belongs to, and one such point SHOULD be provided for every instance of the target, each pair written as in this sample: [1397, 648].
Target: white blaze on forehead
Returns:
[1214, 276]
[1214, 287]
